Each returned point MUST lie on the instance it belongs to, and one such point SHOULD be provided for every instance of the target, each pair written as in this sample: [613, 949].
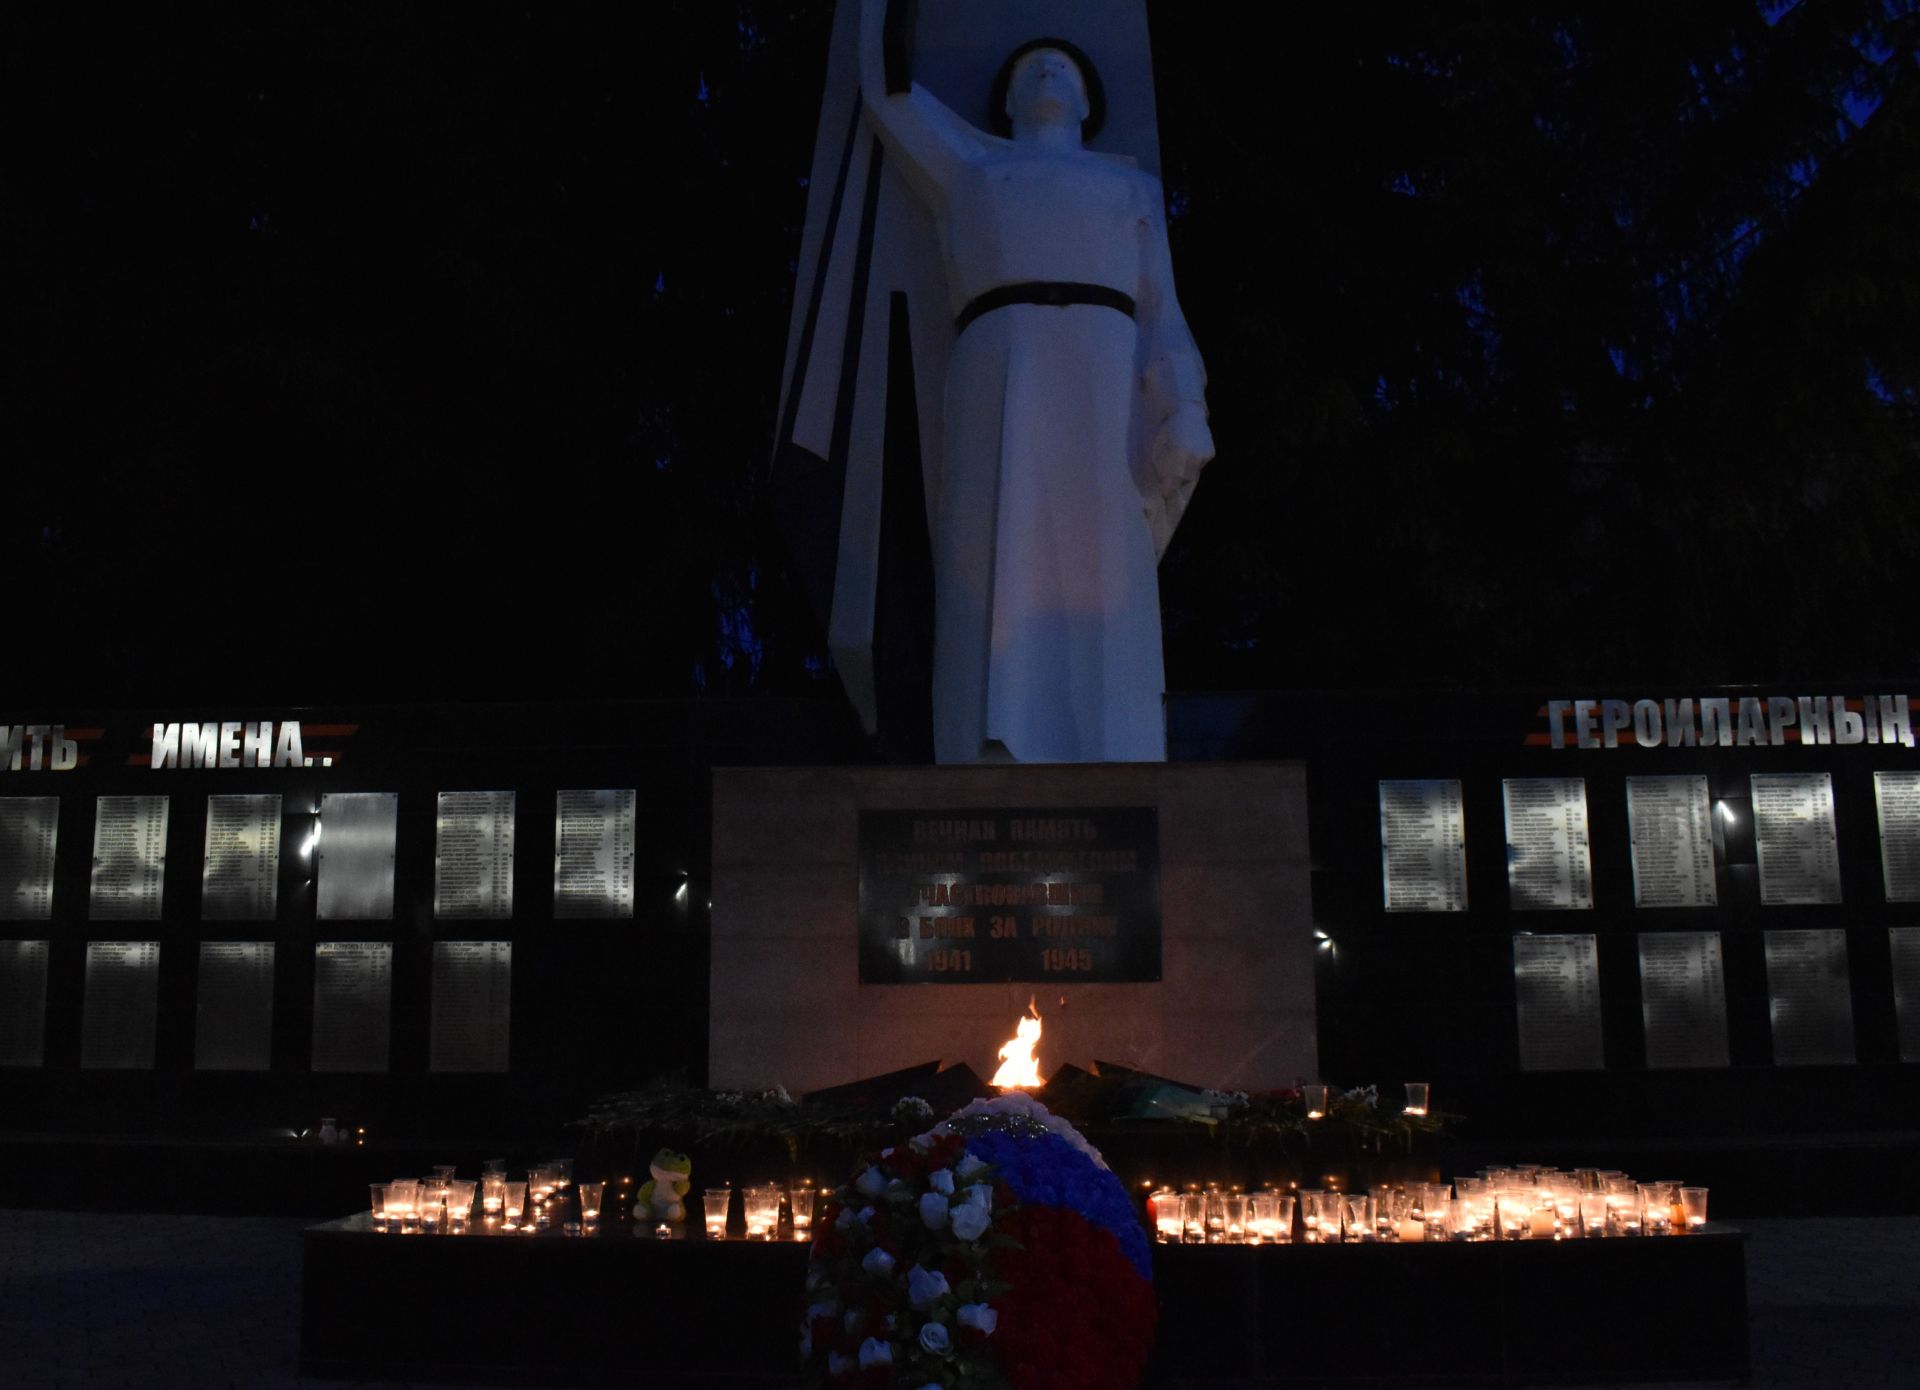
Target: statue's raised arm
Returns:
[927, 136]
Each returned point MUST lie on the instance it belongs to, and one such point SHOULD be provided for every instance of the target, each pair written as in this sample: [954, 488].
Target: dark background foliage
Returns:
[400, 351]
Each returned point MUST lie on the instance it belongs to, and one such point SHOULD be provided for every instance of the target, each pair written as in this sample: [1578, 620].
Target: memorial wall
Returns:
[345, 913]
[1707, 903]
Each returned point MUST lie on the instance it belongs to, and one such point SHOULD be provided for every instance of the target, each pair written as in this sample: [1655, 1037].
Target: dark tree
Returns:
[381, 351]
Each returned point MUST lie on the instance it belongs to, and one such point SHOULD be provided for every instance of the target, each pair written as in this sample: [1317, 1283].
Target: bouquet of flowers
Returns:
[995, 1251]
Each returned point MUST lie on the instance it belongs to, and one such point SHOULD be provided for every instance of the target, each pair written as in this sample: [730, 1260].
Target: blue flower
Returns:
[1050, 1172]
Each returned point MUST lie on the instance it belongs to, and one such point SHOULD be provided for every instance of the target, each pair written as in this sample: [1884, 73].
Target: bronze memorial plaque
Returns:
[1062, 895]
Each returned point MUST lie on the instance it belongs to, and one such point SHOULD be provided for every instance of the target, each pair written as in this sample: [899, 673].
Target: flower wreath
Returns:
[994, 1250]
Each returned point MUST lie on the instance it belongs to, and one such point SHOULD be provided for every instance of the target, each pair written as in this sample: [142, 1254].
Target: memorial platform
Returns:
[615, 1307]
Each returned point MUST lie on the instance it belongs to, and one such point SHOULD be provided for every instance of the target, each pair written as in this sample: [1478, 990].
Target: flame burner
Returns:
[1018, 1066]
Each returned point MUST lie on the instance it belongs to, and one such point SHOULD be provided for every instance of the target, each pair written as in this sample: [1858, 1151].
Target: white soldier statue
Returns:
[1071, 424]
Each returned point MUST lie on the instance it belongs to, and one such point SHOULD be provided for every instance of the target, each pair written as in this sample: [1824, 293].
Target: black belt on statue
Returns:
[1056, 293]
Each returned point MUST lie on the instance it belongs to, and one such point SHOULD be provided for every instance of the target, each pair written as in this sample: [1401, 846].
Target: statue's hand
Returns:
[1182, 447]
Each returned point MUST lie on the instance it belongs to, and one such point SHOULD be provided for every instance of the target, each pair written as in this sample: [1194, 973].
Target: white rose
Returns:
[941, 1181]
[970, 1167]
[933, 1338]
[921, 1142]
[874, 1352]
[825, 1309]
[925, 1287]
[846, 1218]
[838, 1365]
[806, 1345]
[979, 1316]
[854, 1321]
[871, 1183]
[877, 1262]
[864, 1215]
[970, 1220]
[898, 1191]
[981, 1195]
[933, 1210]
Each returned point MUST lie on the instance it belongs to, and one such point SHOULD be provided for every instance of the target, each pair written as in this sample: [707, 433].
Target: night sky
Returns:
[387, 352]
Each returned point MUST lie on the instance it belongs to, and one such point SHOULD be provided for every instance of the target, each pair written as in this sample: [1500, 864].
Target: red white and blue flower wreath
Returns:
[995, 1250]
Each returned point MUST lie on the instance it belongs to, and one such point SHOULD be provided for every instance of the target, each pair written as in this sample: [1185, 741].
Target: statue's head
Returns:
[1045, 81]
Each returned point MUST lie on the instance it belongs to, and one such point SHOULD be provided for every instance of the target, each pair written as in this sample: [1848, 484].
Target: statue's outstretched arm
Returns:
[1173, 384]
[930, 140]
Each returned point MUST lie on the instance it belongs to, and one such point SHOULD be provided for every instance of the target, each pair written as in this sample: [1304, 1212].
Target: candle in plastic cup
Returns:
[460, 1204]
[1282, 1218]
[1315, 1098]
[1216, 1217]
[800, 1198]
[591, 1194]
[514, 1205]
[493, 1196]
[379, 1208]
[1236, 1214]
[1193, 1218]
[1358, 1217]
[718, 1199]
[403, 1196]
[1163, 1209]
[1416, 1097]
[1262, 1218]
[761, 1206]
[1693, 1200]
[1656, 1209]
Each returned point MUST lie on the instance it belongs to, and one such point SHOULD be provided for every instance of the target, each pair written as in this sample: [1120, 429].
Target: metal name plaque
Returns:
[593, 834]
[358, 832]
[352, 1005]
[233, 1007]
[122, 1005]
[1896, 796]
[472, 1005]
[1904, 943]
[1423, 846]
[1683, 999]
[1670, 827]
[473, 855]
[29, 827]
[129, 859]
[240, 876]
[1549, 860]
[1809, 998]
[1793, 835]
[1556, 988]
[1068, 895]
[23, 1003]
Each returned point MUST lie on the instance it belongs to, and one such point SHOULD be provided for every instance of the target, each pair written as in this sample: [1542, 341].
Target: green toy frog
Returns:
[659, 1197]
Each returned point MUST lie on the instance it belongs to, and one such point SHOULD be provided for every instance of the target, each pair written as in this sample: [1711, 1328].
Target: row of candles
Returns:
[761, 1208]
[1527, 1203]
[446, 1203]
